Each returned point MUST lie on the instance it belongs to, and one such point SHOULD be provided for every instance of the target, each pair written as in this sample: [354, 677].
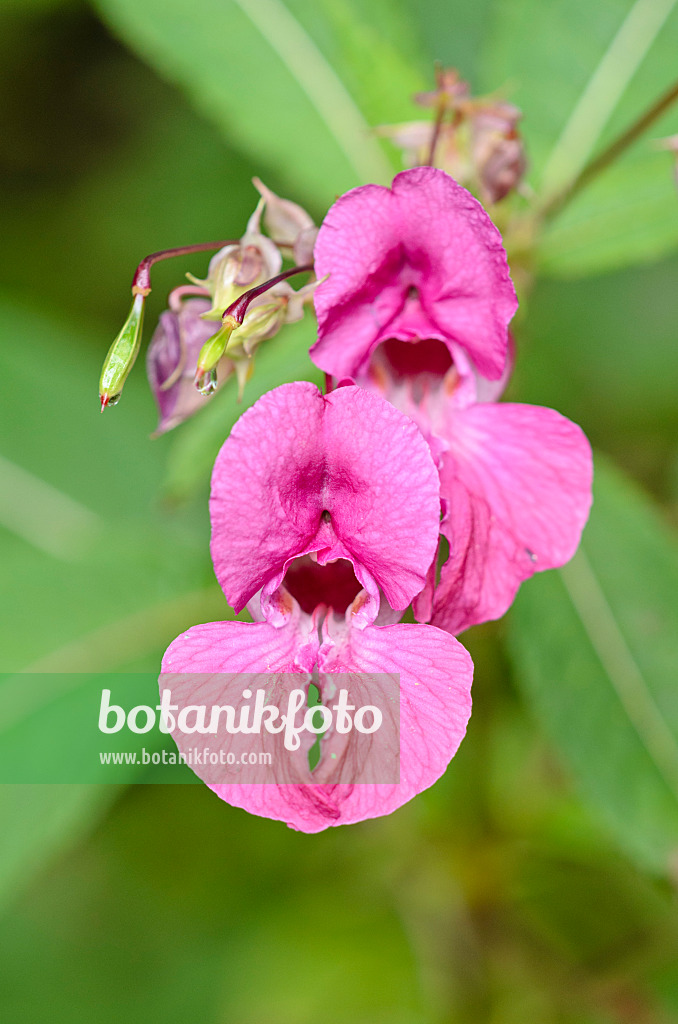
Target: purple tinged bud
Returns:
[172, 360]
[497, 150]
[451, 88]
[304, 245]
[412, 137]
[237, 268]
[284, 220]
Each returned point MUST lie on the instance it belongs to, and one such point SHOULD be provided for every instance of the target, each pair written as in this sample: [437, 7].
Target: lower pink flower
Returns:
[325, 516]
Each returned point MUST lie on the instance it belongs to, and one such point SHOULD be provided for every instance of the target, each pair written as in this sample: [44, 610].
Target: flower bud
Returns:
[413, 138]
[497, 150]
[172, 359]
[263, 319]
[214, 347]
[237, 268]
[450, 89]
[122, 354]
[283, 219]
[265, 316]
[304, 245]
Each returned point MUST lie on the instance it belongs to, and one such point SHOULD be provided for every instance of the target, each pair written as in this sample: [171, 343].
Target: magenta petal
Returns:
[211, 665]
[419, 260]
[517, 484]
[244, 647]
[345, 474]
[435, 705]
[225, 663]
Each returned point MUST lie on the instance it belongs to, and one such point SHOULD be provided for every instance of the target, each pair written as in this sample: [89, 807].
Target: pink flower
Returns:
[515, 480]
[419, 260]
[325, 513]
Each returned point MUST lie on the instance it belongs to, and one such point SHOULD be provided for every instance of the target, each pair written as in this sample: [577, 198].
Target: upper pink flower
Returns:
[418, 260]
[325, 512]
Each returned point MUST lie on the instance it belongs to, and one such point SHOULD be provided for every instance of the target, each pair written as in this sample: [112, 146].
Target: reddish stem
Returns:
[435, 135]
[237, 310]
[141, 282]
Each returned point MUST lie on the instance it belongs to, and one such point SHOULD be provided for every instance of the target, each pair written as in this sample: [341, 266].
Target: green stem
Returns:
[608, 156]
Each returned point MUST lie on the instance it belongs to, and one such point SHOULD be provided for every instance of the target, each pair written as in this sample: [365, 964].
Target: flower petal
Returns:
[244, 647]
[345, 474]
[516, 481]
[219, 664]
[435, 706]
[419, 260]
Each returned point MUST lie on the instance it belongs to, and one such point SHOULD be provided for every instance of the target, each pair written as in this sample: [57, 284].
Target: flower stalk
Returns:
[125, 349]
[554, 204]
[232, 318]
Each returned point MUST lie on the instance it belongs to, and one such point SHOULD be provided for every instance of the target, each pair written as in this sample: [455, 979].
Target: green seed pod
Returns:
[122, 354]
[214, 347]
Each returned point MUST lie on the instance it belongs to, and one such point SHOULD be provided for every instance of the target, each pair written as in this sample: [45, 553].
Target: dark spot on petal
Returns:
[326, 517]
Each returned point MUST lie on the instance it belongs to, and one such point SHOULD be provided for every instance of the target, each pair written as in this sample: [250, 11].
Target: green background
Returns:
[536, 881]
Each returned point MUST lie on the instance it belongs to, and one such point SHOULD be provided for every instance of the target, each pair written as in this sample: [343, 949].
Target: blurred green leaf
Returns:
[602, 350]
[605, 64]
[377, 49]
[85, 543]
[94, 575]
[594, 649]
[453, 33]
[274, 76]
[628, 215]
[39, 823]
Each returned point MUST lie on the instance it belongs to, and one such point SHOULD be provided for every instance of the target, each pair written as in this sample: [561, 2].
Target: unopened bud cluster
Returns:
[215, 325]
[474, 139]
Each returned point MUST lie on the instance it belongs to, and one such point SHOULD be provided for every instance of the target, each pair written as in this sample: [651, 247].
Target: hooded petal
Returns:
[345, 475]
[516, 482]
[419, 260]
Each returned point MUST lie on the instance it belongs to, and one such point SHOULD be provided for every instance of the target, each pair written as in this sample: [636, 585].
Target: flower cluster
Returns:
[407, 482]
[214, 326]
[475, 139]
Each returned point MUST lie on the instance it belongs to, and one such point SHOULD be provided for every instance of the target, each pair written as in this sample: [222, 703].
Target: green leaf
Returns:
[40, 822]
[95, 576]
[453, 34]
[295, 84]
[602, 350]
[604, 65]
[628, 215]
[594, 648]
